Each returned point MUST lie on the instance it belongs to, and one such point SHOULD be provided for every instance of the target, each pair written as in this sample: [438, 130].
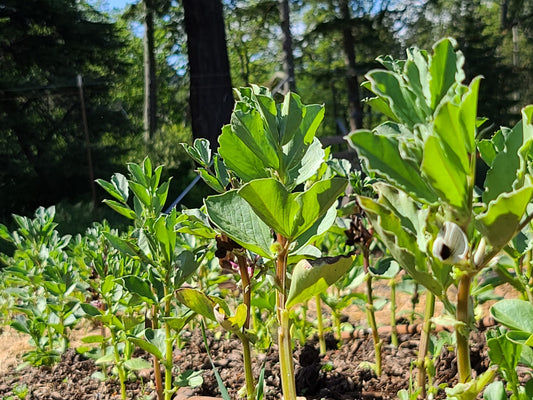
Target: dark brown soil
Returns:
[338, 375]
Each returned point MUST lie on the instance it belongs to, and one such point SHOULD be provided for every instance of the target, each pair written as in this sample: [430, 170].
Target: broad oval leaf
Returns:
[291, 214]
[135, 364]
[310, 278]
[514, 314]
[500, 222]
[382, 156]
[140, 287]
[234, 216]
[197, 301]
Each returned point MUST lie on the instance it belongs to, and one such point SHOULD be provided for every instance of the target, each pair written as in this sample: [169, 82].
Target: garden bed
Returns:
[340, 374]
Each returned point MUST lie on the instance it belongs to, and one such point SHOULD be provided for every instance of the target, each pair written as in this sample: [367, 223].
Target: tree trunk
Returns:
[150, 87]
[352, 85]
[288, 58]
[211, 96]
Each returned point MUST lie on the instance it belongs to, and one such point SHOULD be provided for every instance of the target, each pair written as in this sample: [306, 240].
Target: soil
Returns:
[340, 374]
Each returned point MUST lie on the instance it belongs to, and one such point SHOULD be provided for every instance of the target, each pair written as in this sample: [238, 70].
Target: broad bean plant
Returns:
[277, 196]
[428, 212]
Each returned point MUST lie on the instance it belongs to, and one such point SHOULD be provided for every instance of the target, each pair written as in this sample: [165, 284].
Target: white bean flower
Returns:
[451, 244]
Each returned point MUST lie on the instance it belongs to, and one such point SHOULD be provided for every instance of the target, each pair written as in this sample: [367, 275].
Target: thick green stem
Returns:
[338, 328]
[169, 391]
[103, 349]
[247, 300]
[394, 333]
[321, 339]
[414, 301]
[168, 363]
[155, 360]
[248, 373]
[462, 331]
[424, 342]
[370, 315]
[119, 366]
[288, 384]
[528, 259]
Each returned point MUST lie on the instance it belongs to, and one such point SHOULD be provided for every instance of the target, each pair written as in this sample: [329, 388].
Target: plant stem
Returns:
[120, 367]
[424, 342]
[247, 300]
[414, 301]
[156, 361]
[321, 339]
[462, 330]
[370, 315]
[168, 346]
[248, 373]
[528, 259]
[288, 384]
[394, 334]
[337, 323]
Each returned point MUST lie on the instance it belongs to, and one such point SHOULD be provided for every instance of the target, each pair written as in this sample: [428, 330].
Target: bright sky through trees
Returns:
[108, 5]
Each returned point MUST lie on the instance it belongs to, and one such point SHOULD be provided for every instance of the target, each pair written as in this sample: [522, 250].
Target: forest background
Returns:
[84, 91]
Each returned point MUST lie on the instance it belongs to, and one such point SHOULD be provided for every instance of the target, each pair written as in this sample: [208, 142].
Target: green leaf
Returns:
[200, 151]
[487, 151]
[310, 278]
[221, 172]
[93, 339]
[122, 210]
[291, 214]
[178, 323]
[105, 359]
[318, 228]
[135, 364]
[161, 195]
[291, 117]
[248, 126]
[197, 301]
[239, 158]
[382, 156]
[240, 316]
[385, 268]
[118, 187]
[141, 192]
[504, 353]
[140, 287]
[445, 68]
[166, 236]
[195, 222]
[296, 161]
[189, 378]
[514, 314]
[268, 109]
[509, 165]
[121, 245]
[147, 346]
[211, 180]
[309, 163]
[402, 243]
[500, 222]
[397, 95]
[234, 216]
[185, 265]
[445, 176]
[495, 391]
[90, 310]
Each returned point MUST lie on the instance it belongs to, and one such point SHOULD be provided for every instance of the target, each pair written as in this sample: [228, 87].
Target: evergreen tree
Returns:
[45, 45]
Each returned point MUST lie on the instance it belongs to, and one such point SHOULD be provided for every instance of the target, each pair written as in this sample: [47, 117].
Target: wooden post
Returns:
[87, 142]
